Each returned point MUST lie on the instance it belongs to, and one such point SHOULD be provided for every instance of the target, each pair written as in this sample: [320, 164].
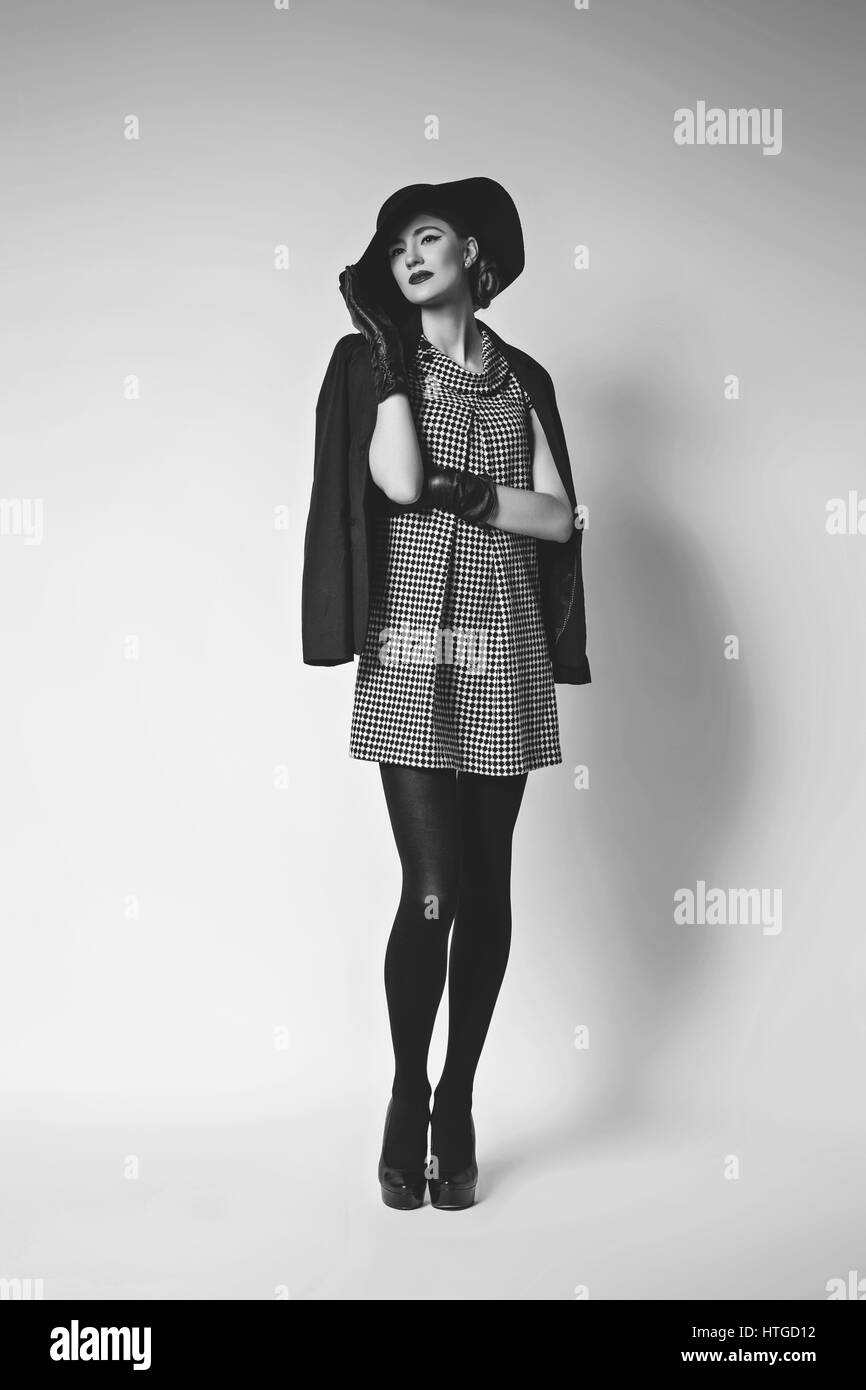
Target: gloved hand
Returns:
[471, 496]
[386, 347]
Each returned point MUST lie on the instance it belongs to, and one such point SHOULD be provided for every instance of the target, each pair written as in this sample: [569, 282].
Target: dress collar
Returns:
[453, 377]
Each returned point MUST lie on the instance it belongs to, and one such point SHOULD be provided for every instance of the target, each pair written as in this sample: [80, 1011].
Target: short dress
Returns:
[455, 670]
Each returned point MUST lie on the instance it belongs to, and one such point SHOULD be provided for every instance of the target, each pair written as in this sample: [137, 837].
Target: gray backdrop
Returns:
[198, 882]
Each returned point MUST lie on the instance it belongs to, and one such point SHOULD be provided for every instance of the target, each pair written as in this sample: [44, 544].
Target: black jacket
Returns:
[338, 539]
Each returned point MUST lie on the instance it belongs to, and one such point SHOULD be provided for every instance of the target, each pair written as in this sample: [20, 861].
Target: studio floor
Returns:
[219, 1202]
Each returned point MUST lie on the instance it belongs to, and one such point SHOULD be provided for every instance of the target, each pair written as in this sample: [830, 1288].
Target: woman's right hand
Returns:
[386, 347]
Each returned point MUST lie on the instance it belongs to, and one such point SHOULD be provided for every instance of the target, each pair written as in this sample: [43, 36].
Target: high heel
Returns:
[402, 1188]
[456, 1191]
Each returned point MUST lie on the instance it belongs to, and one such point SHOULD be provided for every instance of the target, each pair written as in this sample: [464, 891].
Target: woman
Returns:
[454, 692]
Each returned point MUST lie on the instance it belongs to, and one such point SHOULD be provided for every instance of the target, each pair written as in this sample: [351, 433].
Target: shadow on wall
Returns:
[670, 743]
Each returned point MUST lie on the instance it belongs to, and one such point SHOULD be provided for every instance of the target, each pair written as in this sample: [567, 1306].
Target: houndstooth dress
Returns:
[455, 670]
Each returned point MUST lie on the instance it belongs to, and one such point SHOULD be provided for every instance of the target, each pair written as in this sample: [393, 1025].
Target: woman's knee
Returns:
[485, 889]
[434, 897]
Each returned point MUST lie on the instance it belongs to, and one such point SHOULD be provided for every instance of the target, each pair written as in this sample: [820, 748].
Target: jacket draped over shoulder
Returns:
[338, 537]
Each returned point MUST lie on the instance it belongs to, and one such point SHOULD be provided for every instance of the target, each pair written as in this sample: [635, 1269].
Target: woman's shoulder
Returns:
[349, 344]
[346, 354]
[347, 375]
[519, 358]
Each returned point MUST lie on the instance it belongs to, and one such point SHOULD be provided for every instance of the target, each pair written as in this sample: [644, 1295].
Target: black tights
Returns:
[453, 833]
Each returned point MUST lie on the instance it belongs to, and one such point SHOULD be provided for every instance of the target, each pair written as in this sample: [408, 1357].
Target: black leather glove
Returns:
[471, 496]
[386, 346]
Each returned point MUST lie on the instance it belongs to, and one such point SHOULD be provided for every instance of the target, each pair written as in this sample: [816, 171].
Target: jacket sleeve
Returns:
[563, 564]
[326, 586]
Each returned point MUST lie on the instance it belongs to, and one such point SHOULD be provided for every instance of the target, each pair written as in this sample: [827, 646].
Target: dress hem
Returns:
[458, 767]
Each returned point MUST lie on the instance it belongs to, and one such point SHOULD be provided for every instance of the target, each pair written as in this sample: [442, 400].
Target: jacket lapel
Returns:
[530, 376]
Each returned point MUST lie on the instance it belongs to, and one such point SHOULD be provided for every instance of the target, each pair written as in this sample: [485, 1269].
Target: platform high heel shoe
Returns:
[402, 1188]
[455, 1191]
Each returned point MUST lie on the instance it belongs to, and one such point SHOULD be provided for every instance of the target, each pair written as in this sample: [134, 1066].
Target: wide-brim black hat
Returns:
[483, 203]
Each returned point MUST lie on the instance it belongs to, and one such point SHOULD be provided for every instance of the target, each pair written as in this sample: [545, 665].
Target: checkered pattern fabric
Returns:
[455, 670]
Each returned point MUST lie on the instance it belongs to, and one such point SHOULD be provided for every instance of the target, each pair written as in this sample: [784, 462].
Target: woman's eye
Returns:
[428, 236]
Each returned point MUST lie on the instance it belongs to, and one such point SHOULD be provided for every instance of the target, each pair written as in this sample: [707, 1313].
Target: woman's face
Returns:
[428, 260]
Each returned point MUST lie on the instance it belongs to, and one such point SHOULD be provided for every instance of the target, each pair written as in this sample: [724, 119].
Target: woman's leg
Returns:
[488, 808]
[422, 806]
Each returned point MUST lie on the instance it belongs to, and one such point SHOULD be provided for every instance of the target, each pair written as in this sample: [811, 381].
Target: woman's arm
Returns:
[395, 460]
[396, 465]
[543, 510]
